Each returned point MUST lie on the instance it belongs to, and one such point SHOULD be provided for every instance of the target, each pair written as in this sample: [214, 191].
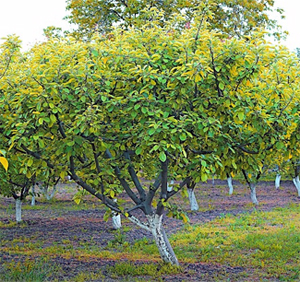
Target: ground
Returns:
[78, 245]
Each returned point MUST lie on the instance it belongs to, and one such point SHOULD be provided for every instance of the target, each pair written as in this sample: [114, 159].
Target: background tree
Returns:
[232, 18]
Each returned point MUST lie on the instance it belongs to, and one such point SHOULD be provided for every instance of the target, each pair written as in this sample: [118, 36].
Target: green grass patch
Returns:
[29, 270]
[129, 269]
[267, 242]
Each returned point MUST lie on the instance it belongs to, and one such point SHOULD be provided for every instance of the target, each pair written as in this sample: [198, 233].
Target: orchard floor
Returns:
[52, 233]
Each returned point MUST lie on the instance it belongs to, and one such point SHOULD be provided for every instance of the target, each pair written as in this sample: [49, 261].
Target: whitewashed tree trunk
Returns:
[116, 219]
[33, 196]
[297, 184]
[165, 249]
[170, 186]
[46, 193]
[213, 180]
[193, 200]
[277, 181]
[18, 210]
[253, 193]
[229, 182]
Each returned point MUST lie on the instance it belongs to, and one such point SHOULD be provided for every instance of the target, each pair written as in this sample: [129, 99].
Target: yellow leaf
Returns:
[4, 162]
[197, 78]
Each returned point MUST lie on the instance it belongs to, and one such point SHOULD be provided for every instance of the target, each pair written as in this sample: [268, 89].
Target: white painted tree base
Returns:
[33, 196]
[116, 221]
[18, 210]
[253, 193]
[165, 249]
[193, 201]
[297, 184]
[46, 193]
[230, 186]
[170, 185]
[277, 181]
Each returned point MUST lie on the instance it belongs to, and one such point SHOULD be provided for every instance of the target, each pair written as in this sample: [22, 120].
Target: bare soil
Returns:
[86, 226]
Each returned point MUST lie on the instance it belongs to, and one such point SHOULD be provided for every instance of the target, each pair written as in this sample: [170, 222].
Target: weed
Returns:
[30, 270]
[124, 269]
[84, 276]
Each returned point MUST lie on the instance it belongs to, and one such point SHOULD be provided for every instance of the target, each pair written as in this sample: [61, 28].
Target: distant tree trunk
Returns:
[165, 249]
[170, 186]
[297, 184]
[33, 195]
[47, 194]
[229, 182]
[116, 219]
[192, 198]
[18, 210]
[253, 193]
[277, 181]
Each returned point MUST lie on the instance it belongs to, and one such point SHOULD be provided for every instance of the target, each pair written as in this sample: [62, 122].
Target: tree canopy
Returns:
[232, 18]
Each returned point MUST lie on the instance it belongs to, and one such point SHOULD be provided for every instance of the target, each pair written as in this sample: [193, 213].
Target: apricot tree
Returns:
[142, 102]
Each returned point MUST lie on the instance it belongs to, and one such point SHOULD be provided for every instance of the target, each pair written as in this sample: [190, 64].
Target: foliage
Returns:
[232, 18]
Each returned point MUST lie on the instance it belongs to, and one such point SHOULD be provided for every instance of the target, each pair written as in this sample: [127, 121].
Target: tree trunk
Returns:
[116, 219]
[277, 181]
[170, 186]
[46, 193]
[18, 210]
[33, 196]
[229, 182]
[165, 249]
[297, 184]
[193, 200]
[253, 193]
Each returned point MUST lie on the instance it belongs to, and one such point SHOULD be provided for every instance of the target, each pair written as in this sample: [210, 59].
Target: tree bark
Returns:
[229, 182]
[33, 196]
[193, 200]
[18, 210]
[297, 184]
[277, 181]
[253, 193]
[165, 249]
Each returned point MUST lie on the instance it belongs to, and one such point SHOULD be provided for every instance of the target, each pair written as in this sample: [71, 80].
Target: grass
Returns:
[29, 270]
[267, 242]
[128, 269]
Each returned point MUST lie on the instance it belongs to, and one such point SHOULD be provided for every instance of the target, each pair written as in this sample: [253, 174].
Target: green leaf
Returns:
[182, 136]
[241, 115]
[138, 150]
[162, 156]
[95, 53]
[204, 177]
[221, 86]
[151, 131]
